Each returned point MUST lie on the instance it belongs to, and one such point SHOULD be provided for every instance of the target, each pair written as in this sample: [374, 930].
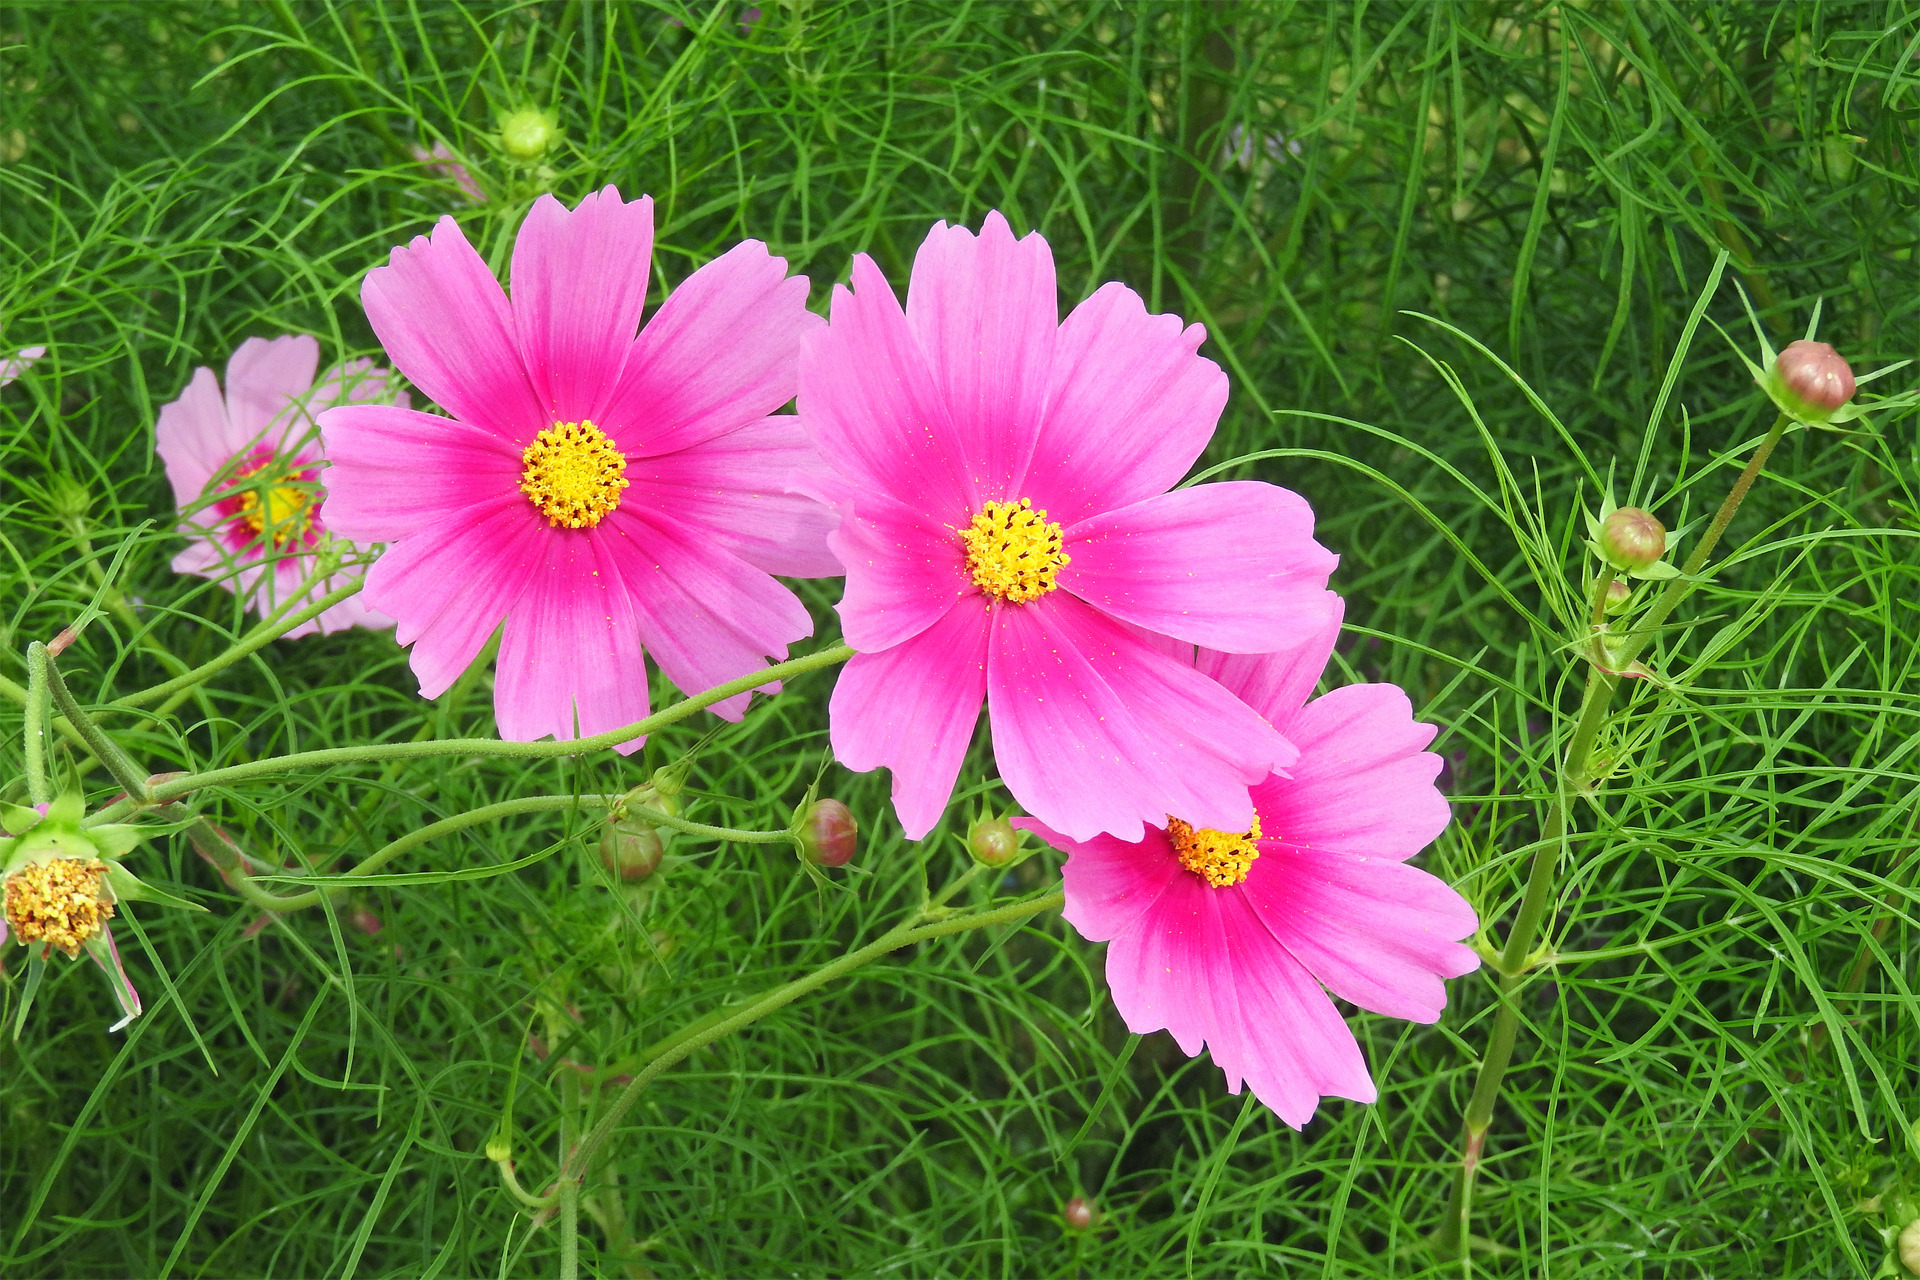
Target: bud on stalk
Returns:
[1078, 1213]
[829, 836]
[993, 842]
[1632, 540]
[1814, 374]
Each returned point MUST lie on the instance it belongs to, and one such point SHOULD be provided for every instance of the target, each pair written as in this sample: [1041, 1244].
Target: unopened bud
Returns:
[1814, 373]
[829, 836]
[499, 1150]
[1631, 539]
[994, 842]
[1909, 1246]
[364, 920]
[60, 642]
[630, 848]
[1618, 593]
[1078, 1213]
[528, 134]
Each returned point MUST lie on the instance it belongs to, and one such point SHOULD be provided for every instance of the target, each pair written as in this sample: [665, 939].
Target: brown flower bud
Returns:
[630, 848]
[1631, 539]
[1814, 372]
[829, 836]
[1079, 1213]
[994, 842]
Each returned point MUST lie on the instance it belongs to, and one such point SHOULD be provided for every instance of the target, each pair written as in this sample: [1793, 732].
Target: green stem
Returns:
[39, 711]
[735, 835]
[132, 778]
[412, 840]
[174, 788]
[677, 1048]
[270, 629]
[569, 1228]
[1517, 957]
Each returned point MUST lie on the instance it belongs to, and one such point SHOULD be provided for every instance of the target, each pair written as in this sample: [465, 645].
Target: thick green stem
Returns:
[132, 778]
[174, 788]
[677, 1048]
[733, 835]
[1517, 957]
[39, 712]
[569, 1228]
[270, 629]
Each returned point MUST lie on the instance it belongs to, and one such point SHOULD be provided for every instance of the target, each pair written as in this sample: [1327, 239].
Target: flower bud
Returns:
[630, 848]
[1078, 1213]
[1631, 539]
[499, 1150]
[1618, 594]
[1814, 373]
[364, 920]
[993, 842]
[528, 134]
[829, 836]
[1908, 1246]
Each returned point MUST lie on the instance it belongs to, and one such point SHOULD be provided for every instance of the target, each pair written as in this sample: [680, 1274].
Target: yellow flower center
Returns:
[1221, 858]
[284, 511]
[62, 901]
[1013, 551]
[574, 474]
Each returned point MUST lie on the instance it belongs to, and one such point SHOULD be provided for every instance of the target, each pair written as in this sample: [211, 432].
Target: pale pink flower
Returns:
[13, 366]
[599, 493]
[439, 160]
[245, 468]
[1007, 536]
[1235, 939]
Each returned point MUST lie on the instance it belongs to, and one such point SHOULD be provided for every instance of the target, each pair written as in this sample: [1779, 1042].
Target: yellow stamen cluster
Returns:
[1013, 551]
[574, 474]
[284, 512]
[1221, 858]
[62, 901]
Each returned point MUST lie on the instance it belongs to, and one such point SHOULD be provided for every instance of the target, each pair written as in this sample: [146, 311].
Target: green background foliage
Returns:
[1448, 254]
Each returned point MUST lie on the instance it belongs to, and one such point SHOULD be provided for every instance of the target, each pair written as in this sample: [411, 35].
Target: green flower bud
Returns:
[630, 848]
[994, 842]
[1631, 539]
[1618, 594]
[529, 134]
[829, 836]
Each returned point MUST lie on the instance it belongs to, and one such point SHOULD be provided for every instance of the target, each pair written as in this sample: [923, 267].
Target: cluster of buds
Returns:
[60, 882]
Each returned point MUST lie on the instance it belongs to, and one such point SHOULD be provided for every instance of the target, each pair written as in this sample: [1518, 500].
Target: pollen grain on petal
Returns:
[1221, 858]
[573, 474]
[1013, 551]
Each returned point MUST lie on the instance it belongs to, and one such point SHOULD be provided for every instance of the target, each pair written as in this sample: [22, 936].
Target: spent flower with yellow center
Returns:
[1221, 858]
[574, 474]
[62, 902]
[1013, 551]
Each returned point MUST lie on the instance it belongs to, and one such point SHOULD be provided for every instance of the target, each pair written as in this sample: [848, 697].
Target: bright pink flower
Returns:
[245, 466]
[598, 493]
[1007, 536]
[1228, 939]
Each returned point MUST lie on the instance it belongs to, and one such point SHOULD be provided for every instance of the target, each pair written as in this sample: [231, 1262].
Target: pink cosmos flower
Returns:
[439, 161]
[244, 467]
[1001, 479]
[1229, 938]
[13, 366]
[599, 493]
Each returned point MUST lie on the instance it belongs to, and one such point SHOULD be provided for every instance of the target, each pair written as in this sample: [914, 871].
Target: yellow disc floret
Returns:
[284, 512]
[574, 474]
[62, 901]
[1221, 858]
[1013, 551]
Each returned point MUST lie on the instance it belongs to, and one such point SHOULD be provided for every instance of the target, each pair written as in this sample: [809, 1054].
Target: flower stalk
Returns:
[1518, 958]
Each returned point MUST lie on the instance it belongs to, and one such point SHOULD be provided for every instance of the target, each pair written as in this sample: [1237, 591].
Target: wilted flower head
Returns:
[59, 883]
[439, 160]
[16, 364]
[246, 473]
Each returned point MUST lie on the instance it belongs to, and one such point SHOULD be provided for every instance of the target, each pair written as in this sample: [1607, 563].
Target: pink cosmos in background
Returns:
[13, 366]
[245, 467]
[439, 161]
[601, 494]
[1228, 938]
[1006, 532]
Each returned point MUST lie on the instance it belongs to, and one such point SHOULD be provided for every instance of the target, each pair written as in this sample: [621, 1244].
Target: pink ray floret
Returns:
[1328, 904]
[593, 493]
[1001, 480]
[245, 468]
